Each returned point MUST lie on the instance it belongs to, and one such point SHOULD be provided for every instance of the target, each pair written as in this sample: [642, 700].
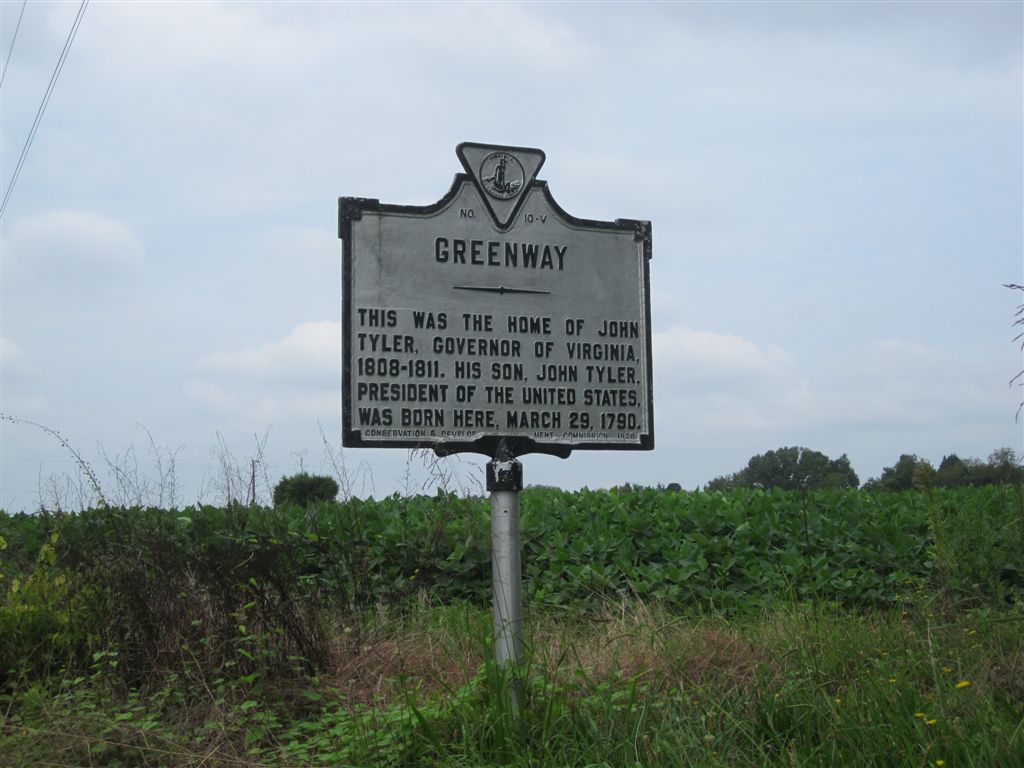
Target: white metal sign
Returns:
[494, 315]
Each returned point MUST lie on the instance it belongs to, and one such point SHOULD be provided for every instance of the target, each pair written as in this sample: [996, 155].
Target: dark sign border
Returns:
[352, 208]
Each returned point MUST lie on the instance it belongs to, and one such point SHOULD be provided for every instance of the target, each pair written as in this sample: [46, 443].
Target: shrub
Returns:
[303, 489]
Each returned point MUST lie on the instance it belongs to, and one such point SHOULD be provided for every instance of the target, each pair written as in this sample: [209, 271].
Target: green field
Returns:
[662, 628]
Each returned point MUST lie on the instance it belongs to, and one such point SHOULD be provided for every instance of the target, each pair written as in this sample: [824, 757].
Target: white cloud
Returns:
[211, 396]
[321, 405]
[253, 408]
[14, 364]
[291, 382]
[19, 376]
[892, 386]
[707, 355]
[309, 355]
[269, 44]
[74, 246]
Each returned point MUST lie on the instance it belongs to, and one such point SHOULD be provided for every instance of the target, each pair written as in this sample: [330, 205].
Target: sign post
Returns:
[494, 322]
[504, 483]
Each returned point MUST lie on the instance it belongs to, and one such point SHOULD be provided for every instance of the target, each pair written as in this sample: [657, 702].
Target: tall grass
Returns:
[628, 685]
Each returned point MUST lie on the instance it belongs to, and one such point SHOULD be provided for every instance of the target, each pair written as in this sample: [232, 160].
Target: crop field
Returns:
[737, 628]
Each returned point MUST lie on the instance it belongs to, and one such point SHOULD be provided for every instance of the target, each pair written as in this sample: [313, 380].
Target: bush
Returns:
[252, 588]
[303, 489]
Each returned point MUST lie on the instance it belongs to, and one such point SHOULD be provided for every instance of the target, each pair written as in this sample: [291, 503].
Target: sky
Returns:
[836, 192]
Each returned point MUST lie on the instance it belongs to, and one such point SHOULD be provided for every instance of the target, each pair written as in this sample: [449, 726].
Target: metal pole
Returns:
[505, 481]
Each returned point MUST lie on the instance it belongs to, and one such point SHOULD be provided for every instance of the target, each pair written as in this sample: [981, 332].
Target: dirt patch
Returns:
[721, 657]
[374, 668]
[377, 667]
[655, 652]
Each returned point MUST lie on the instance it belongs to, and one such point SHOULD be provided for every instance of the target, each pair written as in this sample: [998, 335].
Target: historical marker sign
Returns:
[494, 315]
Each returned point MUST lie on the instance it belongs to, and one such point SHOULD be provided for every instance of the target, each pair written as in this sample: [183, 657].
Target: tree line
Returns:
[802, 469]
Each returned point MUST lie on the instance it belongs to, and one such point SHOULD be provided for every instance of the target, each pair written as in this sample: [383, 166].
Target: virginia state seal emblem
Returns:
[502, 175]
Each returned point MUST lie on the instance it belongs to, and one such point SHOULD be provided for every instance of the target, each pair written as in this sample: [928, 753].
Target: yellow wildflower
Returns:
[940, 762]
[963, 684]
[919, 714]
[933, 721]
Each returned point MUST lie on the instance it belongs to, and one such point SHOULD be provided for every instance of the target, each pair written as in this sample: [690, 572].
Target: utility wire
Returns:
[14, 39]
[42, 105]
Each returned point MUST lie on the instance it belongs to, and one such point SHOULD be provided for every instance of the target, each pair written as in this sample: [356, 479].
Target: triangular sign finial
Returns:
[501, 174]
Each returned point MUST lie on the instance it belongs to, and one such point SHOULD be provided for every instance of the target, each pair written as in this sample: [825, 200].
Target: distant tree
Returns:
[799, 469]
[1005, 466]
[304, 489]
[923, 477]
[840, 474]
[673, 488]
[790, 469]
[953, 472]
[900, 476]
[722, 483]
[977, 472]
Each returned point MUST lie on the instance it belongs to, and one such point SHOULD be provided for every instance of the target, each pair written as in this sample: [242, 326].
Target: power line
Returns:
[14, 39]
[42, 105]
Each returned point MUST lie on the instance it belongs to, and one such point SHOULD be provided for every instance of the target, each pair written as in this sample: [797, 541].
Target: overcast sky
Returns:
[836, 192]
